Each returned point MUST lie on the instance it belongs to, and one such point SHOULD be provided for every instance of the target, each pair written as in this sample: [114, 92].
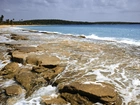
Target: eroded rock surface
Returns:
[103, 93]
[56, 101]
[10, 70]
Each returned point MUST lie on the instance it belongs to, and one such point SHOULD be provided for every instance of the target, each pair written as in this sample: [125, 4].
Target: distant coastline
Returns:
[60, 22]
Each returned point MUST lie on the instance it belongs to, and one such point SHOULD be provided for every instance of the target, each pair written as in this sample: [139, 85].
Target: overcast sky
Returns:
[81, 10]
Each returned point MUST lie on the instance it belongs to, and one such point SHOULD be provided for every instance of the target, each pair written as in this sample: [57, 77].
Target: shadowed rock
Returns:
[48, 73]
[19, 57]
[103, 93]
[76, 99]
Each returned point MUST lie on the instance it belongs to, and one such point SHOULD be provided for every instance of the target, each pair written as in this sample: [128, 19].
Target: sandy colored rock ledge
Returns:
[102, 93]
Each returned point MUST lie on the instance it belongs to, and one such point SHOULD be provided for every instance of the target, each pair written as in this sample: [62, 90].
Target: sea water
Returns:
[87, 65]
[126, 33]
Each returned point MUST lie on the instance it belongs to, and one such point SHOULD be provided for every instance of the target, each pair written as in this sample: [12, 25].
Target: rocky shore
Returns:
[32, 64]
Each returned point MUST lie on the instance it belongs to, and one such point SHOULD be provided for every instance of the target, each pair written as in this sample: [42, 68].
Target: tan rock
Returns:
[19, 57]
[25, 79]
[26, 49]
[76, 99]
[52, 73]
[11, 101]
[46, 60]
[57, 101]
[103, 93]
[18, 37]
[42, 60]
[13, 90]
[10, 70]
[30, 81]
[32, 59]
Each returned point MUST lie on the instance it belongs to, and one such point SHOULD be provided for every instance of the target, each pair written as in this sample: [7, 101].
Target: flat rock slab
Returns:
[103, 93]
[42, 60]
[26, 49]
[19, 57]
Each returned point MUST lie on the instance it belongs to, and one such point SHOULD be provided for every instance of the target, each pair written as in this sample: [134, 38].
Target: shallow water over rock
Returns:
[85, 61]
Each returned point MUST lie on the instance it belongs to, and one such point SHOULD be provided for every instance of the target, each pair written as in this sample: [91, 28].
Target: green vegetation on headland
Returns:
[54, 22]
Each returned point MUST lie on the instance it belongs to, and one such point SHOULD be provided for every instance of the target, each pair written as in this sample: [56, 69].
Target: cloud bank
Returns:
[81, 10]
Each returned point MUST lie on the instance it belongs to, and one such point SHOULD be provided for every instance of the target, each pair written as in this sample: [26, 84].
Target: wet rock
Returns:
[52, 73]
[102, 93]
[42, 60]
[18, 37]
[11, 101]
[81, 36]
[10, 70]
[3, 99]
[30, 81]
[46, 60]
[19, 57]
[13, 90]
[76, 99]
[56, 101]
[32, 59]
[25, 79]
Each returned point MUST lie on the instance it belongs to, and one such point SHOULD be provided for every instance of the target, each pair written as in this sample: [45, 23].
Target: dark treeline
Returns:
[65, 22]
[53, 22]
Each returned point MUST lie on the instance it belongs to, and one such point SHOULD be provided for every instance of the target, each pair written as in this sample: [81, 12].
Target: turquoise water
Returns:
[124, 32]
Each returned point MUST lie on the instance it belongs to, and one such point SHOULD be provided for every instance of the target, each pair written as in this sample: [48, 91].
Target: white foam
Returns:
[119, 40]
[4, 39]
[7, 83]
[36, 97]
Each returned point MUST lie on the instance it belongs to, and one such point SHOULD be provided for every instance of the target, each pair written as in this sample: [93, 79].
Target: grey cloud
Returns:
[86, 10]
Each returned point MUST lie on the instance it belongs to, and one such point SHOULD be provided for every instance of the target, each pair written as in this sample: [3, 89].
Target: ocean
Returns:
[106, 53]
[124, 33]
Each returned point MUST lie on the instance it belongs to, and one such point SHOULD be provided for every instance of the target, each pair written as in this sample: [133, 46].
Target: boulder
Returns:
[13, 90]
[102, 93]
[19, 57]
[10, 70]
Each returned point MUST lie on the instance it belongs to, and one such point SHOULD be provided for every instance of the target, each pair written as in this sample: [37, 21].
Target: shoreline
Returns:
[5, 26]
[83, 62]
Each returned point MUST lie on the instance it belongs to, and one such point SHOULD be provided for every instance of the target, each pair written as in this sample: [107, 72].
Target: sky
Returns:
[75, 10]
